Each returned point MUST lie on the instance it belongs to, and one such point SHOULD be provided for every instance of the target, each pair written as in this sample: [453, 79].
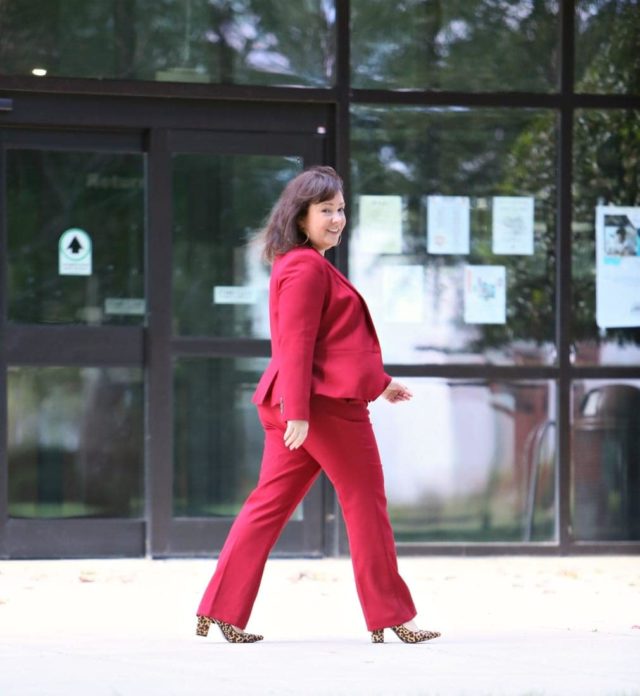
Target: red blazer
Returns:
[322, 337]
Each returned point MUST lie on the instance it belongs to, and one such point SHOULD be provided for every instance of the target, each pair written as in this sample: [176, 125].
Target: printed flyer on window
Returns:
[617, 266]
[448, 226]
[485, 297]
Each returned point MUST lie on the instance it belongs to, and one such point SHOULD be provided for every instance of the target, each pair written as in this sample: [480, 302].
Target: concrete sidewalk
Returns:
[510, 626]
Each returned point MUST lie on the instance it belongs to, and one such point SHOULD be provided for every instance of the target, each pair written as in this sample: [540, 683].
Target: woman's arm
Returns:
[301, 290]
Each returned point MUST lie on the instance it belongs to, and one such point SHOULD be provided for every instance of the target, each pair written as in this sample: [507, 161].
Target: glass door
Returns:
[72, 318]
[210, 312]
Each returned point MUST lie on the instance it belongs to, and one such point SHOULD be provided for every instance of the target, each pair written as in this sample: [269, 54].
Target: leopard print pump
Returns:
[228, 631]
[405, 634]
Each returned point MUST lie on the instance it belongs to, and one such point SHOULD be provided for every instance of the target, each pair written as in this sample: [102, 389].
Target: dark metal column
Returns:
[4, 463]
[335, 530]
[563, 276]
[159, 396]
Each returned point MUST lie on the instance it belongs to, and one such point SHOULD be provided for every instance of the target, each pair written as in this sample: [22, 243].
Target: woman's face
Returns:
[324, 222]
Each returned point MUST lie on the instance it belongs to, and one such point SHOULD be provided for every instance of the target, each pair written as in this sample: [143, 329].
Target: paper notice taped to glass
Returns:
[448, 224]
[485, 296]
[512, 225]
[403, 293]
[380, 224]
[617, 266]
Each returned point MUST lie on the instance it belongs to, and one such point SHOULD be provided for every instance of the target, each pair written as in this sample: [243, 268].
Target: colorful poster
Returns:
[381, 224]
[512, 225]
[403, 294]
[485, 296]
[617, 266]
[448, 224]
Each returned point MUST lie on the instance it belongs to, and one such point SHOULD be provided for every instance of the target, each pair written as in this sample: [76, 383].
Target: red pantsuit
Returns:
[326, 366]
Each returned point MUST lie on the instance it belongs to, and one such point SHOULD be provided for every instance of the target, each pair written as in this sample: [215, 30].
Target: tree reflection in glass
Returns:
[416, 152]
[459, 45]
[224, 41]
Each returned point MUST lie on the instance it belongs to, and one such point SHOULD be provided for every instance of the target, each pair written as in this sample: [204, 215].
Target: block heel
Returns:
[377, 636]
[202, 629]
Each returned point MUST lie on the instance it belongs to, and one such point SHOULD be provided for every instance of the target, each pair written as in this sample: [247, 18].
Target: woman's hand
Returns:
[296, 433]
[396, 392]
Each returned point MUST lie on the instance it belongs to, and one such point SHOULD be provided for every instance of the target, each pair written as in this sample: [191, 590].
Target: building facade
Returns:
[491, 156]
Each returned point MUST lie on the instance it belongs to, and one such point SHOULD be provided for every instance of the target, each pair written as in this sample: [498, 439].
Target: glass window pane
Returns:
[220, 285]
[75, 442]
[470, 461]
[605, 470]
[75, 225]
[429, 306]
[460, 45]
[607, 56]
[226, 41]
[606, 256]
[218, 436]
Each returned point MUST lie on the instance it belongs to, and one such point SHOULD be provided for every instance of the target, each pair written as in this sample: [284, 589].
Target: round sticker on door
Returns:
[74, 252]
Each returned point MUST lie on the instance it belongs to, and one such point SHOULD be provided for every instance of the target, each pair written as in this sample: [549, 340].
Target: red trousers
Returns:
[342, 444]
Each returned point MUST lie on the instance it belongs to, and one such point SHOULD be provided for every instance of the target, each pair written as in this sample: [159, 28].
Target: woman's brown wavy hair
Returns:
[282, 231]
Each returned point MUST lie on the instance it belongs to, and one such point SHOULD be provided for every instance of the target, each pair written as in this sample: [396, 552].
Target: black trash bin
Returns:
[606, 465]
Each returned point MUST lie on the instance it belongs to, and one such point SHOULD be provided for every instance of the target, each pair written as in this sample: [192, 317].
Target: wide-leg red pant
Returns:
[342, 444]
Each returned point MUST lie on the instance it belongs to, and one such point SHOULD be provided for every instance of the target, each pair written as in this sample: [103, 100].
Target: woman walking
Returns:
[312, 400]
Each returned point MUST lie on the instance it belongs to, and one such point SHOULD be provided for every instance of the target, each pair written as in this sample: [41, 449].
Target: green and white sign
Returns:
[74, 252]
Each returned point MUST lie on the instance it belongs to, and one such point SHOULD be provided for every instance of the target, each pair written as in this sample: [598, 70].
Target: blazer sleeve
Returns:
[301, 291]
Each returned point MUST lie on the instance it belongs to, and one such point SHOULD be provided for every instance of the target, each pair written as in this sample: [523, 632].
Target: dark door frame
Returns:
[151, 126]
[62, 346]
[169, 536]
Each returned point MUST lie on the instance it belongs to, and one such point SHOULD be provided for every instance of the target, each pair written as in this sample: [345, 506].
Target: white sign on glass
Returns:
[617, 266]
[448, 224]
[125, 305]
[485, 296]
[512, 225]
[75, 253]
[381, 224]
[403, 294]
[235, 294]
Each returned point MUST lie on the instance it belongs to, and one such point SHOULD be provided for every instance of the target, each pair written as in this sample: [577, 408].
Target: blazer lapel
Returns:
[343, 279]
[346, 282]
